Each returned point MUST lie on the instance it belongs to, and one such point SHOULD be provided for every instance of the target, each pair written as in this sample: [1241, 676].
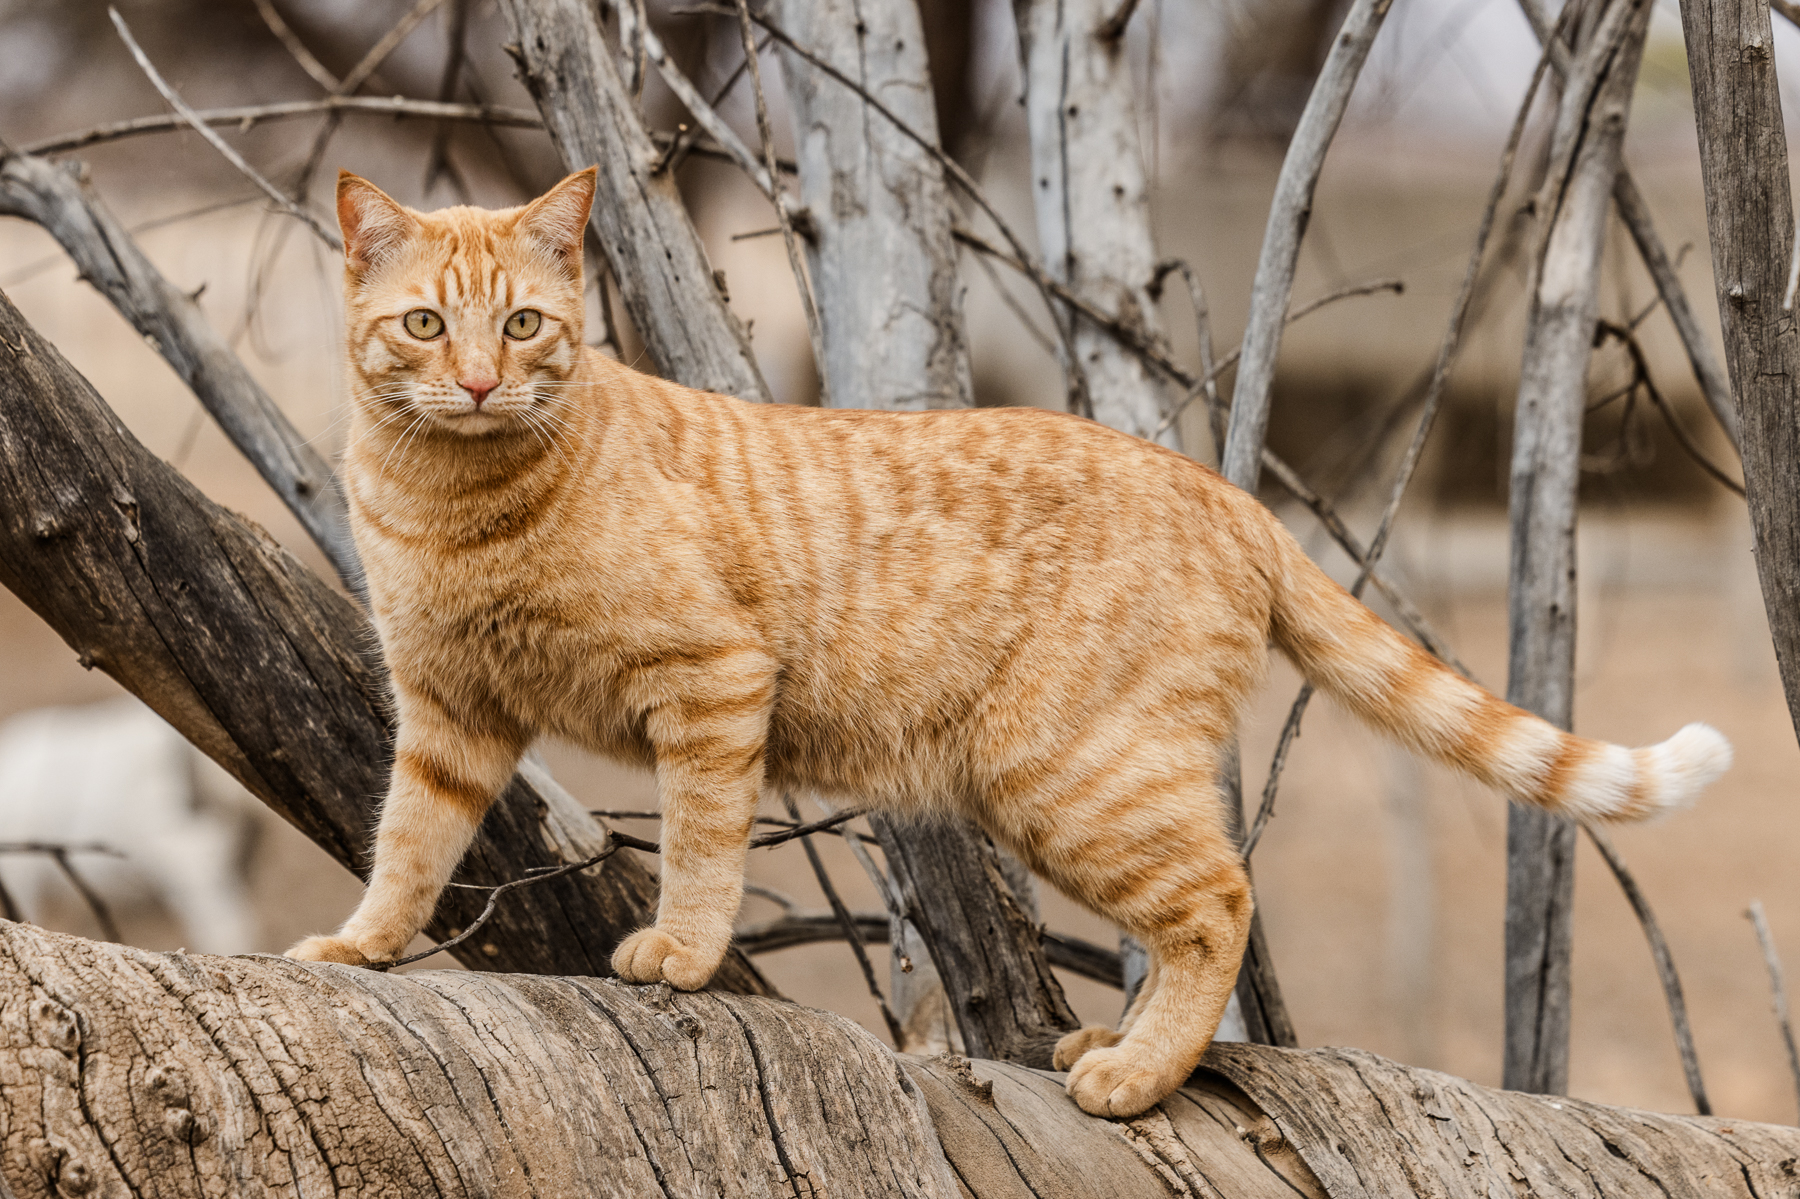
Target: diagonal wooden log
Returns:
[651, 247]
[57, 197]
[137, 1073]
[1750, 223]
[1546, 469]
[263, 666]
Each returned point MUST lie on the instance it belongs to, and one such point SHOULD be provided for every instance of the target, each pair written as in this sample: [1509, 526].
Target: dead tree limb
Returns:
[1714, 386]
[263, 666]
[651, 247]
[58, 198]
[876, 197]
[1092, 201]
[1546, 467]
[1750, 222]
[1288, 216]
[130, 1072]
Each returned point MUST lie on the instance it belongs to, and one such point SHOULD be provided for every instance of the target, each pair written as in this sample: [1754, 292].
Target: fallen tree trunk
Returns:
[135, 1073]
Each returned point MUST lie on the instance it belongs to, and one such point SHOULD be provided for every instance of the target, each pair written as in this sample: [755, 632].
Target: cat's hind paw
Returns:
[1110, 1082]
[1070, 1048]
[328, 949]
[652, 956]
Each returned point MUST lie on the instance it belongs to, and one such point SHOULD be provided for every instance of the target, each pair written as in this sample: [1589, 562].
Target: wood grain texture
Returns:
[875, 196]
[260, 664]
[650, 243]
[135, 1073]
[1092, 200]
[1370, 1127]
[1546, 471]
[1750, 223]
[58, 198]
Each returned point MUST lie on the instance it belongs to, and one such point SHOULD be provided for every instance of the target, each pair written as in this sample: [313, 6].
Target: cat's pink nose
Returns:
[478, 388]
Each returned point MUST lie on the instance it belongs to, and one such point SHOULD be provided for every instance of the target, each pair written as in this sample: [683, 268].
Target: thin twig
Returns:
[1777, 986]
[1434, 393]
[1788, 9]
[683, 143]
[246, 116]
[848, 923]
[1207, 388]
[1665, 968]
[805, 928]
[295, 47]
[1641, 378]
[802, 283]
[439, 166]
[790, 831]
[615, 842]
[218, 143]
[109, 929]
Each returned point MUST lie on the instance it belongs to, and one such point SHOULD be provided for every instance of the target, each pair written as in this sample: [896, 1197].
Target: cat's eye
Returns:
[523, 323]
[423, 323]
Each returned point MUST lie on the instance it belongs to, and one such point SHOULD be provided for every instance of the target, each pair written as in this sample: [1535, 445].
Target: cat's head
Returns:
[465, 318]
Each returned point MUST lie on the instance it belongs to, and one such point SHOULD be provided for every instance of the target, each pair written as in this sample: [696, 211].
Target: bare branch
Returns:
[1113, 28]
[1777, 986]
[57, 199]
[1641, 377]
[389, 42]
[802, 284]
[246, 116]
[1665, 967]
[295, 47]
[1281, 241]
[218, 143]
[847, 922]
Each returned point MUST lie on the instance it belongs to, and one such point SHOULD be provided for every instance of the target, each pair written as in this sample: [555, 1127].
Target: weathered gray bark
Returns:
[879, 206]
[650, 243]
[1289, 213]
[1092, 201]
[136, 1073]
[985, 944]
[1546, 469]
[262, 665]
[57, 197]
[878, 202]
[1750, 220]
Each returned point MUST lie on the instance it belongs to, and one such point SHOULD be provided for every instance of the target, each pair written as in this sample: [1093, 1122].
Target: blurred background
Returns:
[1382, 881]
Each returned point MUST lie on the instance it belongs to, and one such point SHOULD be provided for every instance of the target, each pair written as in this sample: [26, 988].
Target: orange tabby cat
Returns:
[1013, 615]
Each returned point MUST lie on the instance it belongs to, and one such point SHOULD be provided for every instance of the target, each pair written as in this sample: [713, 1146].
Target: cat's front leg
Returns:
[445, 776]
[709, 770]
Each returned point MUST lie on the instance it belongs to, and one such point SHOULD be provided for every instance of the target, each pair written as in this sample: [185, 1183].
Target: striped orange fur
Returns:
[1013, 615]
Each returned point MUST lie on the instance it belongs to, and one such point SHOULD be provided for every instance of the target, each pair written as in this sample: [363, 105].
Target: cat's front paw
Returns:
[1075, 1045]
[328, 949]
[652, 956]
[1112, 1082]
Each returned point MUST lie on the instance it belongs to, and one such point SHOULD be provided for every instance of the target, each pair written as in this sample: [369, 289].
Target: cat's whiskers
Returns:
[402, 439]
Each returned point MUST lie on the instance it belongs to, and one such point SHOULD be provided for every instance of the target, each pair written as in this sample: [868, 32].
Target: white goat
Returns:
[115, 773]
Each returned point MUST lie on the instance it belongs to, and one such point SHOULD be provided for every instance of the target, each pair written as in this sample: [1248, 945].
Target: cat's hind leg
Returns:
[1197, 945]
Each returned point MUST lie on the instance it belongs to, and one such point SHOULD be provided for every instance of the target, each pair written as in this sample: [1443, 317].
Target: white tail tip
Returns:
[1679, 769]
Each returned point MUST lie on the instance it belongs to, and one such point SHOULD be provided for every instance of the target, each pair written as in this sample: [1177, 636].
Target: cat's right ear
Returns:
[374, 225]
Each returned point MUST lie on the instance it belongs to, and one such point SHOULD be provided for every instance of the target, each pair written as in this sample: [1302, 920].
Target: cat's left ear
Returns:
[557, 218]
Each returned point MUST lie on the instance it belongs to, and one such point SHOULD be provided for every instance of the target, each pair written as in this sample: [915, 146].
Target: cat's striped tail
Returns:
[1351, 654]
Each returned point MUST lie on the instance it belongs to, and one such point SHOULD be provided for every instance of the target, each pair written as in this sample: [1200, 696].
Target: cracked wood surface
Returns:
[130, 1073]
[269, 671]
[650, 243]
[1370, 1127]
